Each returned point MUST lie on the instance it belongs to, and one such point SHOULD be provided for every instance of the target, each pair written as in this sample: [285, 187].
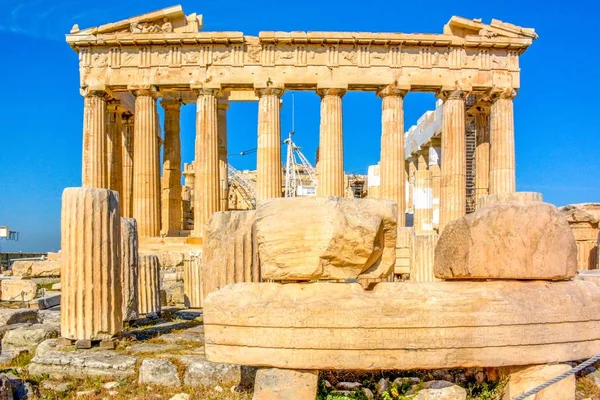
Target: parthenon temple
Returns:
[125, 67]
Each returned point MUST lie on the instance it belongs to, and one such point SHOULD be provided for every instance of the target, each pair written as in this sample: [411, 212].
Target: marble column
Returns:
[502, 143]
[434, 166]
[423, 196]
[222, 106]
[392, 149]
[331, 144]
[94, 171]
[171, 179]
[114, 152]
[127, 127]
[268, 158]
[482, 152]
[411, 169]
[206, 166]
[146, 166]
[454, 158]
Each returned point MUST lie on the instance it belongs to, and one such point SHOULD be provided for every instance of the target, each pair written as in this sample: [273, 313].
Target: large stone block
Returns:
[422, 257]
[91, 304]
[129, 268]
[514, 240]
[18, 290]
[524, 378]
[36, 269]
[285, 384]
[326, 238]
[148, 285]
[229, 254]
[507, 197]
[404, 326]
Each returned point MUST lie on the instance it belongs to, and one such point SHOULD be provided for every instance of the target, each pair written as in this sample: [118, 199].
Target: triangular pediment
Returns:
[463, 27]
[167, 20]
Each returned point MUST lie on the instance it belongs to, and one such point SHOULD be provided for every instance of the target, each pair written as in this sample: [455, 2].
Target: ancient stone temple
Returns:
[129, 67]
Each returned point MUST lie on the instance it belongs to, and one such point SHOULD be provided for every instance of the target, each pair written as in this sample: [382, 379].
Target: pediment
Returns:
[167, 20]
[463, 27]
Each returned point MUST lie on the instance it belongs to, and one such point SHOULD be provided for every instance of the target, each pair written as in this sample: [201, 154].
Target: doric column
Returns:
[331, 144]
[502, 143]
[482, 152]
[423, 196]
[434, 166]
[148, 284]
[171, 187]
[129, 268]
[206, 167]
[94, 171]
[114, 152]
[146, 165]
[222, 106]
[268, 159]
[454, 156]
[392, 149]
[411, 169]
[127, 127]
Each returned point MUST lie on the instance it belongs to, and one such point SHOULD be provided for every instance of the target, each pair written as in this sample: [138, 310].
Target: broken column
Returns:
[148, 285]
[192, 282]
[129, 268]
[91, 306]
[422, 255]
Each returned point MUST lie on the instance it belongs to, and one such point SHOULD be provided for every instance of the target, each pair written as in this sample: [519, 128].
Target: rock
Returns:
[382, 386]
[57, 286]
[6, 391]
[218, 389]
[56, 386]
[595, 377]
[51, 299]
[49, 316]
[201, 372]
[348, 385]
[28, 337]
[195, 335]
[285, 384]
[85, 393]
[515, 240]
[368, 393]
[36, 269]
[18, 290]
[18, 316]
[309, 238]
[159, 372]
[440, 390]
[21, 390]
[158, 348]
[174, 294]
[180, 396]
[111, 385]
[524, 378]
[406, 382]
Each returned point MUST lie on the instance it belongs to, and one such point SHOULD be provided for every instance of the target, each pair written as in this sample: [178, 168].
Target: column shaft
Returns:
[482, 154]
[268, 161]
[171, 187]
[412, 168]
[94, 171]
[206, 168]
[114, 151]
[502, 144]
[127, 128]
[434, 167]
[453, 185]
[392, 150]
[331, 146]
[223, 163]
[146, 166]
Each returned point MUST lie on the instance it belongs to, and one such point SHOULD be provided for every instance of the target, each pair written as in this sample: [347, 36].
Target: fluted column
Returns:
[192, 282]
[148, 284]
[94, 169]
[412, 168]
[222, 106]
[392, 149]
[454, 158]
[482, 152]
[129, 268]
[331, 144]
[146, 165]
[171, 187]
[114, 152]
[127, 165]
[502, 143]
[268, 158]
[434, 167]
[206, 167]
[423, 196]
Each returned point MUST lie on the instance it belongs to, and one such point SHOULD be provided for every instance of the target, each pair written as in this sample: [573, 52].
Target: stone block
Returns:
[514, 240]
[326, 238]
[129, 268]
[54, 256]
[148, 285]
[159, 372]
[525, 378]
[229, 254]
[36, 269]
[91, 304]
[508, 197]
[440, 390]
[27, 338]
[403, 250]
[402, 326]
[201, 372]
[422, 257]
[18, 290]
[285, 384]
[51, 299]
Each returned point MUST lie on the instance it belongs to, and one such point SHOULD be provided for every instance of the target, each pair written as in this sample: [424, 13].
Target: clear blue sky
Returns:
[556, 112]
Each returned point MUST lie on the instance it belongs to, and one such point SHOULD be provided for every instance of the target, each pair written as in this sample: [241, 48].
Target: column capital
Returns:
[393, 90]
[95, 93]
[170, 104]
[201, 91]
[331, 92]
[144, 90]
[503, 93]
[223, 104]
[453, 94]
[268, 91]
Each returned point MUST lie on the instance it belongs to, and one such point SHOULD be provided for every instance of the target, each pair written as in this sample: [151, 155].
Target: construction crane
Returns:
[246, 187]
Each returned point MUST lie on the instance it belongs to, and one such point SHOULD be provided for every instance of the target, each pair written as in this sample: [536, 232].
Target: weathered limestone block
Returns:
[36, 269]
[514, 240]
[129, 268]
[285, 384]
[403, 250]
[28, 337]
[159, 372]
[506, 197]
[422, 257]
[148, 285]
[18, 290]
[440, 390]
[326, 238]
[18, 316]
[584, 222]
[525, 378]
[192, 282]
[401, 326]
[91, 301]
[54, 256]
[229, 254]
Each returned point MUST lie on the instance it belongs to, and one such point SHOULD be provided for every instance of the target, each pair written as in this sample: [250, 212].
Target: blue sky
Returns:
[556, 112]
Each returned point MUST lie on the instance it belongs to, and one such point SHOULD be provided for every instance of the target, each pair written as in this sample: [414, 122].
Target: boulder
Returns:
[18, 316]
[285, 384]
[440, 390]
[28, 337]
[18, 290]
[201, 372]
[159, 372]
[326, 238]
[513, 240]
